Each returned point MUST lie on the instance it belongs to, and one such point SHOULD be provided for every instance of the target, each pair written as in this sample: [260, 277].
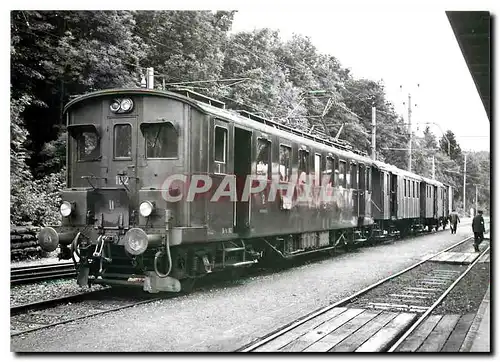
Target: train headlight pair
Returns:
[136, 241]
[66, 208]
[124, 105]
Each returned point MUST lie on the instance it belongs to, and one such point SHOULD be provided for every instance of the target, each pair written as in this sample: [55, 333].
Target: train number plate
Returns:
[121, 180]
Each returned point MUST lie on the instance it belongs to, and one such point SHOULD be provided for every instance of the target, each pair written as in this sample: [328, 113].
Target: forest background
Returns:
[59, 54]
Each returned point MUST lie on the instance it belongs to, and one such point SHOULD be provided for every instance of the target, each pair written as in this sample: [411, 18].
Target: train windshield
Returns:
[87, 142]
[161, 140]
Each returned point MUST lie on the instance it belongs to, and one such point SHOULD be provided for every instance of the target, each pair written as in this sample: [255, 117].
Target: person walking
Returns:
[478, 229]
[454, 219]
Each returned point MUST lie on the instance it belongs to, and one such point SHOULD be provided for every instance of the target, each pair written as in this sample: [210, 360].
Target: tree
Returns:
[55, 54]
[185, 46]
[455, 152]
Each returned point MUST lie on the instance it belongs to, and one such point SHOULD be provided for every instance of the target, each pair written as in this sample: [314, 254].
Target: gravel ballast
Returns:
[468, 293]
[31, 293]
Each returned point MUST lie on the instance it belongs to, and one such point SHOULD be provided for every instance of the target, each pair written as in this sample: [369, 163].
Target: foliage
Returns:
[37, 202]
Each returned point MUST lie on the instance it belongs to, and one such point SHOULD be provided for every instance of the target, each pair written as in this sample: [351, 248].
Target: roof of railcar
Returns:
[237, 118]
[129, 91]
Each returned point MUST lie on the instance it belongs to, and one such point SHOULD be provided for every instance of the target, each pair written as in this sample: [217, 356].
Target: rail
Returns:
[37, 273]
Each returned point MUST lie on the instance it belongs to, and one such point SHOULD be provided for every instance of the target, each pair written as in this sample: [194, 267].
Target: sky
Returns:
[412, 51]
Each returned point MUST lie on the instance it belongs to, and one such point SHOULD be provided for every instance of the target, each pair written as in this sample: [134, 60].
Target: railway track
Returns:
[49, 313]
[37, 273]
[325, 329]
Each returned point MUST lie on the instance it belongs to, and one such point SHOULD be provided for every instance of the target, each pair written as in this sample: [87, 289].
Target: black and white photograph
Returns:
[237, 178]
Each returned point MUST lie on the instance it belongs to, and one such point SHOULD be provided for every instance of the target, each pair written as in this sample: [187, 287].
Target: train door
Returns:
[394, 196]
[435, 201]
[242, 168]
[423, 199]
[354, 188]
[123, 149]
[362, 192]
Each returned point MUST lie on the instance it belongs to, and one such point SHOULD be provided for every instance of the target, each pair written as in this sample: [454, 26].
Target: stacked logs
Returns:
[23, 242]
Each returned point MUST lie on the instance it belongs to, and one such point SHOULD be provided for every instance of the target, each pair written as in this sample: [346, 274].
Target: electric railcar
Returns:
[136, 157]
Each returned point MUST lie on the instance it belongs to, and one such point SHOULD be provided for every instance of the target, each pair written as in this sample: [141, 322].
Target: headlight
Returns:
[48, 239]
[146, 208]
[136, 241]
[115, 106]
[65, 208]
[126, 104]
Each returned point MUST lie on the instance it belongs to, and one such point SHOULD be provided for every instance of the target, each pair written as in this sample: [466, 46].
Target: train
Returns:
[166, 186]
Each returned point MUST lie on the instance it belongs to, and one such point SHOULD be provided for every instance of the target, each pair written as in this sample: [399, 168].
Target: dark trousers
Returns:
[453, 227]
[478, 238]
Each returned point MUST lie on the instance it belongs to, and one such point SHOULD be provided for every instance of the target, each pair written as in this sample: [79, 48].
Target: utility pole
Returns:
[409, 129]
[465, 170]
[374, 129]
[433, 168]
[476, 199]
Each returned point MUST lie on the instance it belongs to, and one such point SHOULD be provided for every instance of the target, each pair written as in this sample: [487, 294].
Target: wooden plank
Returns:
[298, 331]
[330, 340]
[417, 292]
[369, 329]
[409, 296]
[461, 258]
[446, 277]
[457, 337]
[319, 332]
[450, 273]
[418, 336]
[440, 257]
[437, 338]
[423, 288]
[450, 256]
[435, 281]
[472, 333]
[381, 340]
[471, 258]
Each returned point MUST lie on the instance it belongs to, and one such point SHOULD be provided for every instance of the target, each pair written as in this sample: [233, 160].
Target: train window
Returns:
[317, 169]
[303, 162]
[354, 176]
[417, 187]
[161, 140]
[362, 177]
[413, 188]
[405, 186]
[263, 159]
[329, 171]
[369, 178]
[285, 168]
[122, 134]
[387, 184]
[87, 144]
[342, 173]
[220, 144]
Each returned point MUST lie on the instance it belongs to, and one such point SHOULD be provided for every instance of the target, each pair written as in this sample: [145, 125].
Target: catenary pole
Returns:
[465, 170]
[409, 129]
[374, 130]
